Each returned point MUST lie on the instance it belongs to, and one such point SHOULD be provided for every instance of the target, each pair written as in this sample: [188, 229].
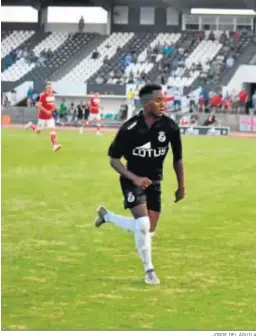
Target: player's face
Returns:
[157, 106]
[49, 88]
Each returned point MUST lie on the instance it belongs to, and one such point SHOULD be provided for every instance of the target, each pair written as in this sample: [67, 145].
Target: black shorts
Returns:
[134, 195]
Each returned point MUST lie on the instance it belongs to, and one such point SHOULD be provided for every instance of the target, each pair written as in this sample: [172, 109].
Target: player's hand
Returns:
[179, 194]
[142, 182]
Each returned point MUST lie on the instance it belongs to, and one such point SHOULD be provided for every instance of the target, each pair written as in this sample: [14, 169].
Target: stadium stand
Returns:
[253, 60]
[28, 44]
[59, 48]
[24, 65]
[4, 34]
[190, 58]
[150, 55]
[93, 62]
[135, 45]
[185, 59]
[13, 40]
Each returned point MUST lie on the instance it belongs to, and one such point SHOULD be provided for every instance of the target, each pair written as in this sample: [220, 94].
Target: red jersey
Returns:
[48, 102]
[216, 100]
[95, 105]
[243, 96]
[228, 103]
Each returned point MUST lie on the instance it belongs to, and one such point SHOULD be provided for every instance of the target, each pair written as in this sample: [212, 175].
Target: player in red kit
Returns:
[46, 106]
[94, 113]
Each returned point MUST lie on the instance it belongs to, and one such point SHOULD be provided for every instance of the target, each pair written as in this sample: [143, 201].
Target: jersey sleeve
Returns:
[176, 144]
[118, 146]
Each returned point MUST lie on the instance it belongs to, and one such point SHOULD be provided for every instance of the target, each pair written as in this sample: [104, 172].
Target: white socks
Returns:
[141, 228]
[143, 241]
[126, 223]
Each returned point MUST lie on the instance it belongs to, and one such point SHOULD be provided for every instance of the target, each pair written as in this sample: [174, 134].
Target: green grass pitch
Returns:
[61, 273]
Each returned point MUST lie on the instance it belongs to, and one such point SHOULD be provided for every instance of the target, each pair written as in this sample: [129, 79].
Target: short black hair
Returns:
[148, 89]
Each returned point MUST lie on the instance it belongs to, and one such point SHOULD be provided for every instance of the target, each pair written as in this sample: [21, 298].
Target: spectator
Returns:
[149, 50]
[4, 101]
[130, 96]
[216, 102]
[13, 56]
[177, 101]
[63, 111]
[168, 50]
[30, 97]
[134, 58]
[211, 71]
[99, 79]
[8, 61]
[223, 38]
[201, 36]
[242, 100]
[192, 101]
[36, 98]
[127, 60]
[211, 36]
[49, 54]
[72, 113]
[229, 62]
[156, 50]
[87, 109]
[80, 111]
[236, 36]
[228, 104]
[205, 95]
[81, 25]
[95, 54]
[254, 100]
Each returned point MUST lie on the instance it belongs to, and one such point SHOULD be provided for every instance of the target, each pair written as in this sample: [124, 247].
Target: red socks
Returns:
[33, 127]
[53, 138]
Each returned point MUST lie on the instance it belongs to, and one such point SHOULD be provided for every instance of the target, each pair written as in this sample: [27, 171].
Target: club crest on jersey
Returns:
[130, 197]
[161, 136]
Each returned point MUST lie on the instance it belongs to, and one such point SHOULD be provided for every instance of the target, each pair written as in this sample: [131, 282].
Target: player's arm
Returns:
[178, 166]
[116, 151]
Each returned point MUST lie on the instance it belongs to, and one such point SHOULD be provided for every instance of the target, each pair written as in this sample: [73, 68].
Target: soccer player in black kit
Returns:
[144, 141]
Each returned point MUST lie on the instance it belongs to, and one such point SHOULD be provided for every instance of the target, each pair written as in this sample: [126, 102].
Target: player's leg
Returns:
[135, 200]
[53, 136]
[153, 194]
[99, 123]
[133, 196]
[81, 129]
[86, 123]
[143, 242]
[33, 127]
[154, 218]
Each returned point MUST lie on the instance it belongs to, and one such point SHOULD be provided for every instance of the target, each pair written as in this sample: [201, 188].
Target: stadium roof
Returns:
[178, 4]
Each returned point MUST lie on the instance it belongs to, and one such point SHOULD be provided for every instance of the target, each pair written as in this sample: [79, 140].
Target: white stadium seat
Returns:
[21, 67]
[88, 66]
